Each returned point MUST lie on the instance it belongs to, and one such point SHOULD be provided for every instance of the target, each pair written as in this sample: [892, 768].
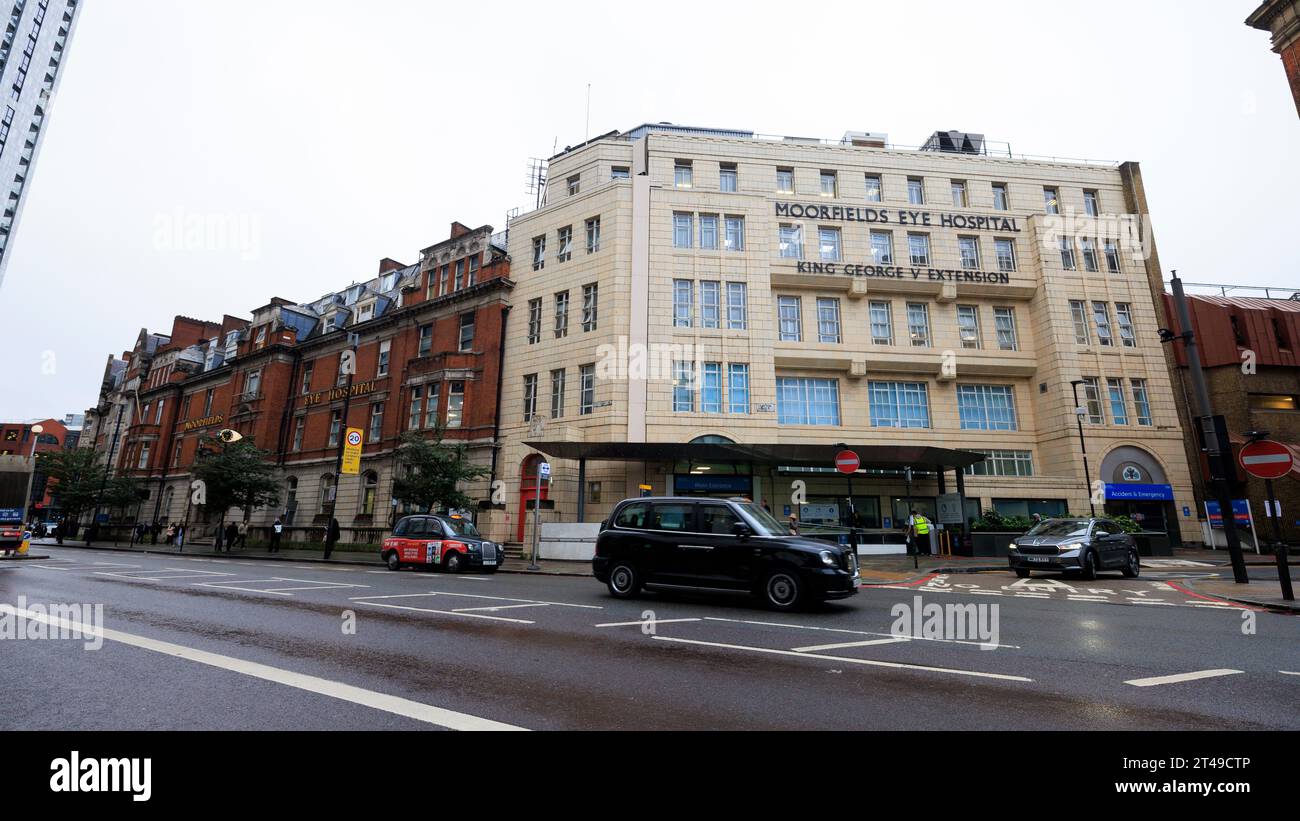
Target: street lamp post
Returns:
[1080, 412]
[37, 430]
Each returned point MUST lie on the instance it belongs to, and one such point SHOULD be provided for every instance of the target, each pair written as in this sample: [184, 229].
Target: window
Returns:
[882, 324]
[342, 378]
[593, 235]
[158, 414]
[915, 191]
[466, 333]
[828, 321]
[566, 244]
[252, 381]
[620, 172]
[987, 407]
[1091, 204]
[1142, 403]
[1101, 317]
[1092, 400]
[1067, 254]
[1118, 407]
[180, 446]
[918, 324]
[676, 518]
[446, 276]
[207, 402]
[534, 321]
[385, 352]
[711, 388]
[306, 377]
[1006, 251]
[735, 237]
[557, 393]
[530, 397]
[785, 180]
[1124, 318]
[327, 488]
[875, 189]
[261, 335]
[460, 274]
[574, 184]
[970, 252]
[539, 253]
[1089, 247]
[1004, 321]
[561, 314]
[790, 240]
[683, 387]
[727, 179]
[682, 174]
[426, 340]
[683, 230]
[1112, 256]
[369, 491]
[711, 304]
[683, 303]
[1052, 200]
[144, 456]
[882, 247]
[336, 419]
[1079, 315]
[904, 405]
[918, 246]
[1003, 463]
[830, 244]
[830, 184]
[376, 422]
[709, 232]
[434, 392]
[717, 520]
[738, 388]
[456, 405]
[590, 308]
[968, 327]
[593, 492]
[802, 401]
[959, 197]
[587, 400]
[416, 413]
[737, 306]
[1001, 202]
[790, 319]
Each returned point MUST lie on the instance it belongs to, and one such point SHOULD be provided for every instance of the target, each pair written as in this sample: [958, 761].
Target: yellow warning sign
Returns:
[352, 452]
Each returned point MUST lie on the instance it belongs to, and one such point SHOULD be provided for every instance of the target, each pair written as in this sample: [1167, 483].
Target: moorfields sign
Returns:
[901, 216]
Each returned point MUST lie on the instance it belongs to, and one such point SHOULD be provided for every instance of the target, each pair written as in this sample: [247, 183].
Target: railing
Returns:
[1225, 291]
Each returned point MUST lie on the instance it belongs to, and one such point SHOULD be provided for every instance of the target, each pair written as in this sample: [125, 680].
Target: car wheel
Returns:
[624, 581]
[1090, 568]
[393, 562]
[1133, 568]
[1022, 573]
[451, 563]
[782, 590]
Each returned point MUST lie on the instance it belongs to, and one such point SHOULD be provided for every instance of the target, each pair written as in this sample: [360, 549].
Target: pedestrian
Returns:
[154, 531]
[171, 533]
[276, 530]
[242, 534]
[232, 533]
[220, 535]
[181, 532]
[794, 525]
[918, 534]
[332, 534]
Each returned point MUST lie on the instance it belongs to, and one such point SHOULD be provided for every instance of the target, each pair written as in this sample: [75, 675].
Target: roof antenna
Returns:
[586, 134]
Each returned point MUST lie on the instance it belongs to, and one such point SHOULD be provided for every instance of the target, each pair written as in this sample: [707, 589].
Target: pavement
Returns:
[236, 642]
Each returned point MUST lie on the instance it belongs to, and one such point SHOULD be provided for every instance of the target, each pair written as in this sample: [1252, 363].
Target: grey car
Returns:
[1083, 546]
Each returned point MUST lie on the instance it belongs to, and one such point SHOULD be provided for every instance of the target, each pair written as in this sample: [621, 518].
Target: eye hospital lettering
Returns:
[904, 217]
[359, 389]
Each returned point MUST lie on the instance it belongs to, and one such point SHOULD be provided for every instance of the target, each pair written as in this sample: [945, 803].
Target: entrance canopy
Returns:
[874, 457]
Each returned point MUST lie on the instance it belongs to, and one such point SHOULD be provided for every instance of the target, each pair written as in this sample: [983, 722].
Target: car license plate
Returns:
[1039, 559]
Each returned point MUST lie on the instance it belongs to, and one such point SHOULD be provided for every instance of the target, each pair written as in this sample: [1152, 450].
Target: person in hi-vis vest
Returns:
[918, 533]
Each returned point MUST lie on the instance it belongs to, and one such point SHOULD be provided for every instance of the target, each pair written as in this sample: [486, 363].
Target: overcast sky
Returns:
[329, 135]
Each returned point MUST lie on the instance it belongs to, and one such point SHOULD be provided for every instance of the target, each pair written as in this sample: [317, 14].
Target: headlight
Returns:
[828, 559]
[1070, 548]
[1013, 547]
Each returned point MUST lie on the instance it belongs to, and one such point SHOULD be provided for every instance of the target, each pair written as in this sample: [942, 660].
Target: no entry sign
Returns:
[847, 462]
[1267, 460]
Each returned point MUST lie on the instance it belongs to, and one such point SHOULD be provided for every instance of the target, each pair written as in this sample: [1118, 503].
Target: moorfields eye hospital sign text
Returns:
[902, 216]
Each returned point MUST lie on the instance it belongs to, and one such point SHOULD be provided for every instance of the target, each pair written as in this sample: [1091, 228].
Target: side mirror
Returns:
[742, 531]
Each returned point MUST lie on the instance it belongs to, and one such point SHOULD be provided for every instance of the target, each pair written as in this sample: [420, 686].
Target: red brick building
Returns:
[1281, 18]
[429, 341]
[20, 439]
[1250, 349]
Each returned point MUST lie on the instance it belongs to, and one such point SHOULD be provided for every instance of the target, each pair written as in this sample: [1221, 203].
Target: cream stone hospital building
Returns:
[709, 312]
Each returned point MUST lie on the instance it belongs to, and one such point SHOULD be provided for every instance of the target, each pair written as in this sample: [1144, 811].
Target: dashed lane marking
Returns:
[645, 622]
[1182, 677]
[850, 645]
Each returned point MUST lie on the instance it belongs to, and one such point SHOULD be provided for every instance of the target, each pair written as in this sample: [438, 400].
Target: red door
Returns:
[527, 493]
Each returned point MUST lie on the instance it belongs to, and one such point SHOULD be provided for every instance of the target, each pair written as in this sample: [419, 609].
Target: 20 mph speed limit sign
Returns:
[1267, 460]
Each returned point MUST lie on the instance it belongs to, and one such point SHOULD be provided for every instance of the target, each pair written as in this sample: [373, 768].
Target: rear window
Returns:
[633, 517]
[676, 518]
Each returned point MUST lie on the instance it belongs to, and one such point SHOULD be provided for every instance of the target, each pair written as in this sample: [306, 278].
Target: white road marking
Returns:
[849, 646]
[1285, 673]
[843, 660]
[441, 612]
[164, 575]
[489, 598]
[648, 621]
[495, 609]
[242, 589]
[1181, 677]
[854, 632]
[427, 713]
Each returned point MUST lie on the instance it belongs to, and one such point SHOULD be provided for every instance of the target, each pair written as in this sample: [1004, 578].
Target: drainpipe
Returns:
[496, 420]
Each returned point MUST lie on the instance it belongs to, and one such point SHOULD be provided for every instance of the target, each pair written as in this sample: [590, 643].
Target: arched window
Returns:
[326, 485]
[713, 440]
[369, 491]
[168, 495]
